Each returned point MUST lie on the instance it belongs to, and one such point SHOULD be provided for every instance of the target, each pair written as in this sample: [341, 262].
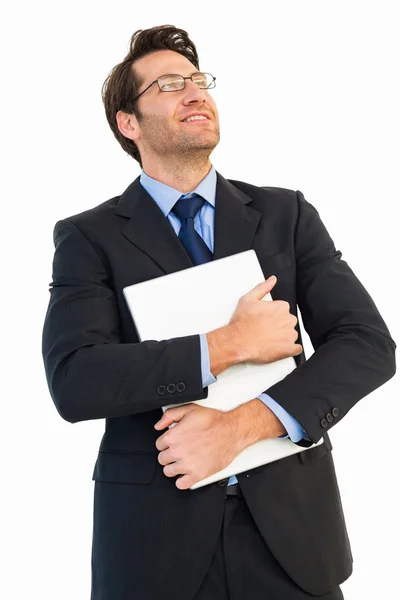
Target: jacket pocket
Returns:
[308, 456]
[125, 467]
[275, 263]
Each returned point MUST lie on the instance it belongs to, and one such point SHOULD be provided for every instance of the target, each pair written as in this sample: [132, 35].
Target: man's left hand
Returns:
[203, 441]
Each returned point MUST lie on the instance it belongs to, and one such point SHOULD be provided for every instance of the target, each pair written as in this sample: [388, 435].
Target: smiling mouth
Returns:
[196, 121]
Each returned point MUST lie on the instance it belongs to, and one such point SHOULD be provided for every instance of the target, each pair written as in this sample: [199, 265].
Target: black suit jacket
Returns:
[150, 540]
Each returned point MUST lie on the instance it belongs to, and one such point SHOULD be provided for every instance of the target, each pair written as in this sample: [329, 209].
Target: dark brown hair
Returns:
[122, 84]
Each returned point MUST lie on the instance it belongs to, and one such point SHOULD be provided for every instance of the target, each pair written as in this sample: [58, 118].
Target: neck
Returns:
[183, 176]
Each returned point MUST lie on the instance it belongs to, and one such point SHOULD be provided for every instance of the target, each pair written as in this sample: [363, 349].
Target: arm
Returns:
[354, 352]
[90, 373]
[289, 426]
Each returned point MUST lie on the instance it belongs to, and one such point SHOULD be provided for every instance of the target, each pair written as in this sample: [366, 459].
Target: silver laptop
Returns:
[200, 299]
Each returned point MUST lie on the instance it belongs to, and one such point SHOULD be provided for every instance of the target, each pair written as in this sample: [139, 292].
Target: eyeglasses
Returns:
[174, 83]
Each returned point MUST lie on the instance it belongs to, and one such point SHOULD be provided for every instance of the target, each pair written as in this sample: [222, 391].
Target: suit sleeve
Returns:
[90, 373]
[354, 352]
[294, 430]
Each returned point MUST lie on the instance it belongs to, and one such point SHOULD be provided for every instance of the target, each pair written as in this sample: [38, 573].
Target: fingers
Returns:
[164, 458]
[184, 482]
[172, 468]
[161, 443]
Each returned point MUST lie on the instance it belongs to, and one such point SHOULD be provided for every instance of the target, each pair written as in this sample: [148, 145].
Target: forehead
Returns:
[162, 62]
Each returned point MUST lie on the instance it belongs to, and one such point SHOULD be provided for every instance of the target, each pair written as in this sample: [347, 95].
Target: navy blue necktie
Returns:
[186, 209]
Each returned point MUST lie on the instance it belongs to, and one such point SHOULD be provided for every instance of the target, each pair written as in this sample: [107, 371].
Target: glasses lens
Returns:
[171, 83]
[203, 80]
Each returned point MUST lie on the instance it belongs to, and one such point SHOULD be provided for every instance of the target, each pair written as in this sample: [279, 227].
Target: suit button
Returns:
[171, 388]
[180, 386]
[161, 389]
[223, 482]
[335, 412]
[324, 423]
[329, 417]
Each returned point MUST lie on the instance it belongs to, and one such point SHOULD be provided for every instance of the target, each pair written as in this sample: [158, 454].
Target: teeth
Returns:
[195, 117]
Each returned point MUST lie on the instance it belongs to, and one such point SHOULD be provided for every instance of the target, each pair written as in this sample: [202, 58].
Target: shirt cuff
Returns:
[206, 375]
[294, 430]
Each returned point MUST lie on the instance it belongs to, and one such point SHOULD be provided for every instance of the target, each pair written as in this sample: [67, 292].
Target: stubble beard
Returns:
[171, 144]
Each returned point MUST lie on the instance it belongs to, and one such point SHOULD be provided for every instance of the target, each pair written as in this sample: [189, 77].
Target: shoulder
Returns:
[95, 214]
[92, 223]
[244, 185]
[269, 196]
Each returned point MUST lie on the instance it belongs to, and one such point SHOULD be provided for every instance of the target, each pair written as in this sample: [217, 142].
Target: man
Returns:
[275, 532]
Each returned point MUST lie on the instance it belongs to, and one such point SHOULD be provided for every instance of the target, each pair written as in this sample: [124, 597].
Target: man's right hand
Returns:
[264, 330]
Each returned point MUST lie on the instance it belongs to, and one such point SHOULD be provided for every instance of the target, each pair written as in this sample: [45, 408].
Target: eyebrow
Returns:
[172, 74]
[178, 74]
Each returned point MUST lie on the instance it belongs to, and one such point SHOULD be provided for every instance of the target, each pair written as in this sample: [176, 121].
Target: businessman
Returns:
[276, 532]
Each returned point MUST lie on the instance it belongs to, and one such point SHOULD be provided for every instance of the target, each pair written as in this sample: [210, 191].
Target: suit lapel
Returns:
[148, 228]
[235, 221]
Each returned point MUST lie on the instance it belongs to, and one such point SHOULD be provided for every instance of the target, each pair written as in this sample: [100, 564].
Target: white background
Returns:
[308, 99]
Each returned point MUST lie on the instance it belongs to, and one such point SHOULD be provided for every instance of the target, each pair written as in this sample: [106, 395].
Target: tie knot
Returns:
[188, 206]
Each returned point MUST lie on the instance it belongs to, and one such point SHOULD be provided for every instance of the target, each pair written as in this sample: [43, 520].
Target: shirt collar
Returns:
[166, 196]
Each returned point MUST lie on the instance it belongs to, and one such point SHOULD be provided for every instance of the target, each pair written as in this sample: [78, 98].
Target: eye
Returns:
[170, 83]
[204, 80]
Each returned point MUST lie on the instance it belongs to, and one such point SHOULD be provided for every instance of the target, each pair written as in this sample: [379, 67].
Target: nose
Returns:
[193, 92]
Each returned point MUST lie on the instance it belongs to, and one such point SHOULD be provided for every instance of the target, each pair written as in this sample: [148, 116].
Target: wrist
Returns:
[239, 428]
[238, 347]
[254, 421]
[224, 347]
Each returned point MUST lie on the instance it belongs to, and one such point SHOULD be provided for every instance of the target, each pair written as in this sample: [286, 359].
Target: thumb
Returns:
[170, 416]
[263, 288]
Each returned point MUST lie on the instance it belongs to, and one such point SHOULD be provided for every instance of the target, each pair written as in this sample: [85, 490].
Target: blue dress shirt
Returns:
[166, 196]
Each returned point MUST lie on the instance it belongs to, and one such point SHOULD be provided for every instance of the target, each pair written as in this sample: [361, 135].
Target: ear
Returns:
[128, 125]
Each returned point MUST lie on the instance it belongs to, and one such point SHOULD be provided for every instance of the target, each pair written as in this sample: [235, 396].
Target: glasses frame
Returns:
[184, 83]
